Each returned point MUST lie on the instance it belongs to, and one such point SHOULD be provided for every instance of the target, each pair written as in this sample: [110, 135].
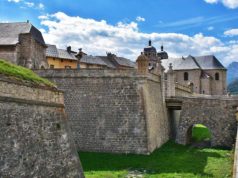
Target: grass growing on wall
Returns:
[22, 73]
[170, 161]
[200, 132]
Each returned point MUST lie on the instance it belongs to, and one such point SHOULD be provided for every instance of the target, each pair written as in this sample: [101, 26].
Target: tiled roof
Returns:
[9, 33]
[52, 51]
[190, 62]
[92, 60]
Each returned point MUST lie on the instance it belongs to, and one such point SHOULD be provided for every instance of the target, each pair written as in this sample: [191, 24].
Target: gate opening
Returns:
[199, 136]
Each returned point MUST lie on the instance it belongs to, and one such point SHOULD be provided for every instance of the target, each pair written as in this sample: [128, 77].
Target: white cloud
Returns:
[232, 4]
[41, 6]
[16, 1]
[231, 32]
[211, 1]
[210, 28]
[140, 19]
[29, 4]
[126, 39]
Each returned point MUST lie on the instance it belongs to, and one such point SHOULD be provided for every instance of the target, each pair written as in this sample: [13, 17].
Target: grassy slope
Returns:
[21, 73]
[170, 161]
[200, 132]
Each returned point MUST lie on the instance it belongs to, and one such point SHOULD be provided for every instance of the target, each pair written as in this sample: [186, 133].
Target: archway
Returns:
[199, 135]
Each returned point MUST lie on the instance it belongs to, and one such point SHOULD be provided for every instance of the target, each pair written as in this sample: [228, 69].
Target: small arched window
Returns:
[216, 76]
[185, 76]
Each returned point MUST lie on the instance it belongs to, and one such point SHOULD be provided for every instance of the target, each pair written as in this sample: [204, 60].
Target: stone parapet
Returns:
[26, 93]
[181, 90]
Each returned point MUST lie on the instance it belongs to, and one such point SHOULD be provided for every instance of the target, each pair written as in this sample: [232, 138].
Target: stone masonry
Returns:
[117, 111]
[34, 134]
[218, 114]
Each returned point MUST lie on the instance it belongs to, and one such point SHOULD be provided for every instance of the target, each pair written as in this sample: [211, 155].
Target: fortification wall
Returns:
[113, 110]
[218, 114]
[35, 137]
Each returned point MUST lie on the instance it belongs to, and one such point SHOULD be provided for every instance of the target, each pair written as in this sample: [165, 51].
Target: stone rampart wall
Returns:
[35, 137]
[113, 110]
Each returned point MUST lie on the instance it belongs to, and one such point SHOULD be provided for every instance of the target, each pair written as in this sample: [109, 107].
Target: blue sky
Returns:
[196, 27]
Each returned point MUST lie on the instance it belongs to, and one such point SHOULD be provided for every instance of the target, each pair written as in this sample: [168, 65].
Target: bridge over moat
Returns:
[218, 114]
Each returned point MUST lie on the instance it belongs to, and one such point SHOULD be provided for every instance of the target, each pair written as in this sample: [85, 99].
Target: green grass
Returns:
[21, 73]
[170, 161]
[200, 133]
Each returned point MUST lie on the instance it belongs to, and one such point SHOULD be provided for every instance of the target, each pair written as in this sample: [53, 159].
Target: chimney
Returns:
[69, 49]
[28, 21]
[162, 48]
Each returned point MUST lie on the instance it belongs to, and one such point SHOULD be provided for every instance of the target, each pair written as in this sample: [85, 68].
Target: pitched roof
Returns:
[108, 62]
[184, 63]
[190, 63]
[9, 33]
[114, 61]
[209, 62]
[92, 60]
[124, 62]
[52, 51]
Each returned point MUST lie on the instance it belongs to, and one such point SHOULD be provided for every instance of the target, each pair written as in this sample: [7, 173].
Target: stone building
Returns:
[60, 58]
[110, 61]
[68, 59]
[23, 44]
[205, 73]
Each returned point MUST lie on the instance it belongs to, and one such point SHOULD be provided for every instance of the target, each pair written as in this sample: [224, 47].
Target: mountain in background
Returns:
[232, 78]
[233, 87]
[232, 72]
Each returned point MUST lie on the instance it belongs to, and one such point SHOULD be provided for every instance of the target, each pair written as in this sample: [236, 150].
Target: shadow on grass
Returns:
[170, 158]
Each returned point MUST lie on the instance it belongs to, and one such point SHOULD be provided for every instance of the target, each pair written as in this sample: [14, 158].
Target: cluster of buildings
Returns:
[23, 44]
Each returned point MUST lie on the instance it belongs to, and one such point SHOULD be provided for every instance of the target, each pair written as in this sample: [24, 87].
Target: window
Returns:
[185, 76]
[67, 67]
[52, 66]
[216, 76]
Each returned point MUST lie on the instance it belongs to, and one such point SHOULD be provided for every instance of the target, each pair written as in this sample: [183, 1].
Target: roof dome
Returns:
[150, 48]
[163, 54]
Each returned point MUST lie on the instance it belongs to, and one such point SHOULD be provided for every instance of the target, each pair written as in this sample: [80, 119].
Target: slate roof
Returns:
[124, 62]
[9, 33]
[114, 61]
[185, 63]
[191, 63]
[209, 62]
[92, 60]
[52, 51]
[108, 62]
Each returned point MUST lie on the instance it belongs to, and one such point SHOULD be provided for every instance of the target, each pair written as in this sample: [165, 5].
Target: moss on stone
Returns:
[23, 74]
